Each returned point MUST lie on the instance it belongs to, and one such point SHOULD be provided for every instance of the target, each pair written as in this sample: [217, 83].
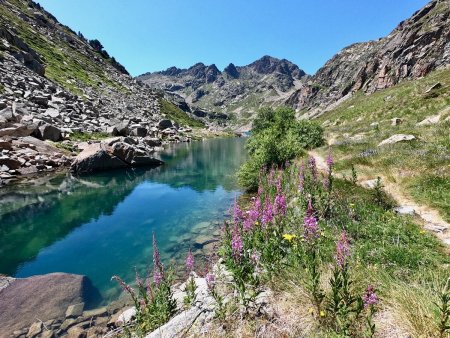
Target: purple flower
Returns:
[342, 250]
[330, 161]
[237, 245]
[313, 168]
[190, 261]
[280, 204]
[370, 298]
[267, 216]
[310, 228]
[238, 214]
[252, 215]
[158, 267]
[255, 257]
[279, 184]
[210, 280]
[310, 210]
[124, 286]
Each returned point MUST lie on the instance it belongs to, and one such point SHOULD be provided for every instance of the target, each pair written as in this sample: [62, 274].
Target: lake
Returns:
[101, 225]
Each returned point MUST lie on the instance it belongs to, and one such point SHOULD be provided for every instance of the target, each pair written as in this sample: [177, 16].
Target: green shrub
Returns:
[277, 137]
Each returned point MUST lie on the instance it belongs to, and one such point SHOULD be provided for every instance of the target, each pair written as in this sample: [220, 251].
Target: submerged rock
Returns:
[45, 297]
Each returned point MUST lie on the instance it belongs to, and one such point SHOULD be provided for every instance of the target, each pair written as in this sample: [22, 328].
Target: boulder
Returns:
[46, 296]
[34, 330]
[152, 141]
[9, 162]
[397, 138]
[49, 132]
[75, 310]
[17, 130]
[139, 131]
[164, 124]
[123, 151]
[95, 157]
[429, 120]
[122, 128]
[113, 131]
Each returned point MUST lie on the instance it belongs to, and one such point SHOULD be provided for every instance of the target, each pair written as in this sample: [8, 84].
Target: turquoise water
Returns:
[101, 225]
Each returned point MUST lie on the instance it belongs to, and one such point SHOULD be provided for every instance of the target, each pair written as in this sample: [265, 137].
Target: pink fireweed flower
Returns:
[238, 214]
[124, 286]
[280, 204]
[255, 257]
[210, 280]
[267, 215]
[237, 245]
[326, 183]
[310, 228]
[370, 298]
[139, 280]
[279, 184]
[190, 261]
[330, 161]
[313, 167]
[158, 267]
[342, 250]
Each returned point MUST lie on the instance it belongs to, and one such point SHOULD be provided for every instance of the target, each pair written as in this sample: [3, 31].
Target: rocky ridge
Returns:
[417, 46]
[236, 92]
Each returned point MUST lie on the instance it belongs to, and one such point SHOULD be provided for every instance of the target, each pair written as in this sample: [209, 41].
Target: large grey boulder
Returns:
[95, 157]
[43, 297]
[139, 131]
[49, 132]
[164, 124]
[18, 130]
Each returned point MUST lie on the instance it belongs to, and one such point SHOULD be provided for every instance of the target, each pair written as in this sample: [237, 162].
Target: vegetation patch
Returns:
[174, 113]
[277, 137]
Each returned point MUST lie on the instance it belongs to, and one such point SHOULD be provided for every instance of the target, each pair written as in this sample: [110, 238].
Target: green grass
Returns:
[81, 137]
[404, 163]
[174, 113]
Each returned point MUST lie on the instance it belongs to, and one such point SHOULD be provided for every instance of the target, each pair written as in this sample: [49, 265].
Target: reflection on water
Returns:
[101, 225]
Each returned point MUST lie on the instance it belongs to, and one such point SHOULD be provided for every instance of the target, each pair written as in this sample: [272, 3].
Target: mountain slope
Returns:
[413, 49]
[234, 92]
[40, 58]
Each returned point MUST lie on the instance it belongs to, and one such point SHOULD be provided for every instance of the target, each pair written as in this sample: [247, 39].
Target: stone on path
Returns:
[405, 210]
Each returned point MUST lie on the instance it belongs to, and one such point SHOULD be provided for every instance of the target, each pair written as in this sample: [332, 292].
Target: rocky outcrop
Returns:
[210, 93]
[115, 153]
[39, 299]
[413, 49]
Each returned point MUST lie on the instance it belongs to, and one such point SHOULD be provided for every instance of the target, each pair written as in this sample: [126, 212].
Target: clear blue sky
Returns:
[151, 35]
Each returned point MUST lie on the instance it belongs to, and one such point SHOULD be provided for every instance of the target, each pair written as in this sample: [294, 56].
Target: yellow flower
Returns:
[352, 204]
[257, 223]
[289, 237]
[322, 313]
[422, 232]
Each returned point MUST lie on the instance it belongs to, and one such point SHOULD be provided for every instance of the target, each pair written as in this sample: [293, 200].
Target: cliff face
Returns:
[413, 49]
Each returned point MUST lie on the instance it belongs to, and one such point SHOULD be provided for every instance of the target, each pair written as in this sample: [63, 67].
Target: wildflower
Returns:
[310, 228]
[330, 161]
[210, 280]
[322, 313]
[310, 225]
[123, 285]
[289, 237]
[237, 213]
[352, 205]
[255, 257]
[342, 250]
[139, 281]
[313, 167]
[326, 183]
[158, 267]
[422, 232]
[237, 244]
[280, 204]
[370, 298]
[279, 184]
[190, 261]
[267, 216]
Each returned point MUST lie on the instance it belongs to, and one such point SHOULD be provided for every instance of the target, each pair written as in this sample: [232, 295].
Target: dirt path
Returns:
[430, 218]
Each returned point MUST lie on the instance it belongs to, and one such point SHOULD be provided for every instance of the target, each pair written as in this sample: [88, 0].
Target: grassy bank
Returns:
[420, 167]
